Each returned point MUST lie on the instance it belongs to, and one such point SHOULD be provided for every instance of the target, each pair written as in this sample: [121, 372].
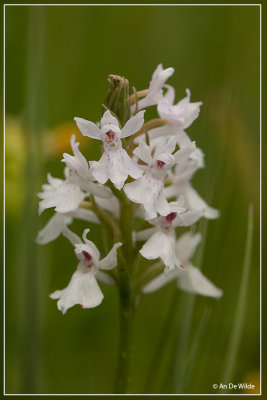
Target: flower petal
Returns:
[66, 197]
[85, 215]
[160, 281]
[161, 245]
[82, 289]
[105, 278]
[108, 118]
[192, 280]
[195, 202]
[133, 125]
[110, 261]
[143, 151]
[144, 234]
[71, 236]
[183, 154]
[186, 246]
[115, 165]
[170, 94]
[88, 128]
[53, 228]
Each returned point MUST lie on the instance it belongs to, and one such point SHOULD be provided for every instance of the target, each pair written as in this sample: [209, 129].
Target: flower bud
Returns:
[117, 100]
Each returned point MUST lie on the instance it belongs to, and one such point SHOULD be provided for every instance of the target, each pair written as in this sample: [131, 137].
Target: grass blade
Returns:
[194, 350]
[240, 313]
[187, 317]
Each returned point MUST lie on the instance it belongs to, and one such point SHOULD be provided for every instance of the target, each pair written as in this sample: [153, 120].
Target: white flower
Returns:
[189, 278]
[58, 222]
[66, 195]
[115, 163]
[62, 195]
[161, 239]
[157, 82]
[181, 114]
[182, 187]
[83, 288]
[148, 190]
[80, 174]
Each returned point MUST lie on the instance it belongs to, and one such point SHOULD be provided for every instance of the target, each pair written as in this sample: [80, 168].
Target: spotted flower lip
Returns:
[83, 288]
[115, 163]
[189, 278]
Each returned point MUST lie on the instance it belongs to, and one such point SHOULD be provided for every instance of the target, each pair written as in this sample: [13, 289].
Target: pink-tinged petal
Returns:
[133, 125]
[53, 228]
[88, 128]
[110, 261]
[192, 280]
[108, 118]
[160, 281]
[82, 289]
[186, 246]
[143, 151]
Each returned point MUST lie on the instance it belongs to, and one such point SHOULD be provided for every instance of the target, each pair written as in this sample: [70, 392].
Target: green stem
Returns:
[127, 317]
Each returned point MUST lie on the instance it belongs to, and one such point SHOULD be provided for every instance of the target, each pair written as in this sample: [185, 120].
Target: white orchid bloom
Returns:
[61, 194]
[181, 114]
[157, 82]
[182, 187]
[189, 278]
[66, 195]
[115, 163]
[83, 288]
[148, 190]
[161, 239]
[79, 173]
[57, 223]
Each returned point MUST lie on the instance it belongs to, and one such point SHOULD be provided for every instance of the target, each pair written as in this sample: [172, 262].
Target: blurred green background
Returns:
[57, 61]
